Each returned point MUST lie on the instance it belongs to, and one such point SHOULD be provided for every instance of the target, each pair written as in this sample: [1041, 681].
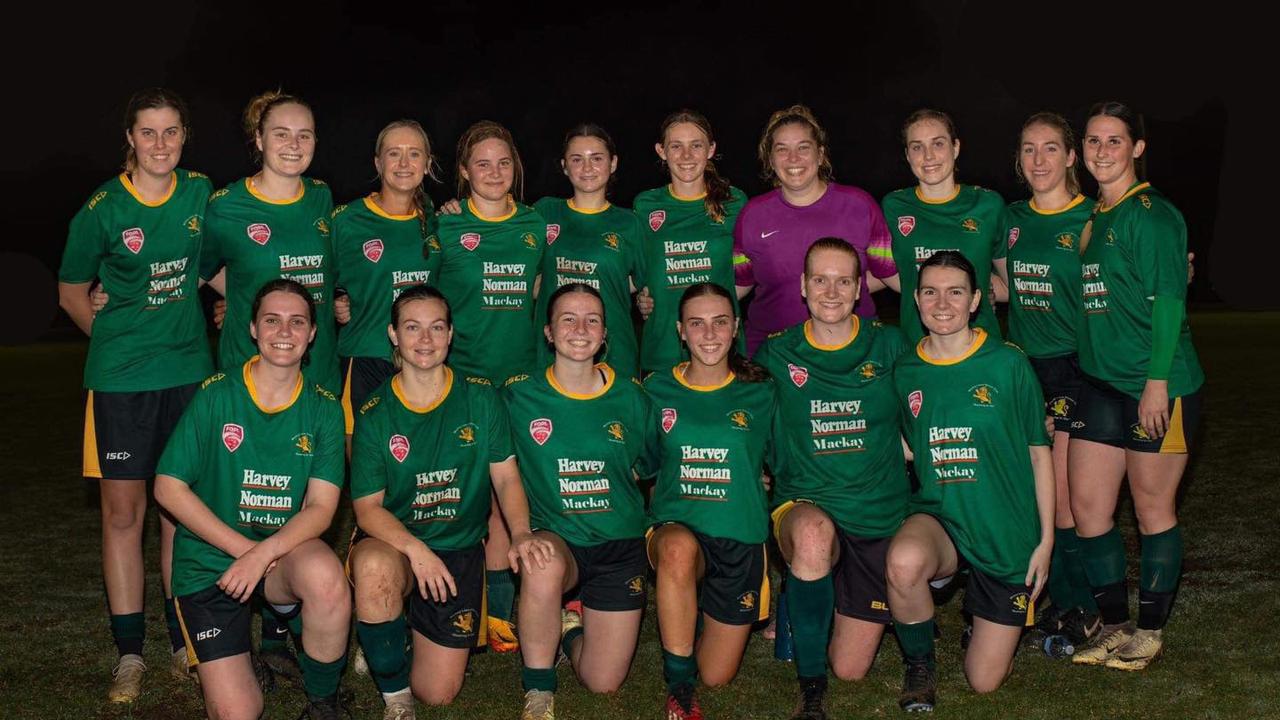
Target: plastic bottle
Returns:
[1058, 646]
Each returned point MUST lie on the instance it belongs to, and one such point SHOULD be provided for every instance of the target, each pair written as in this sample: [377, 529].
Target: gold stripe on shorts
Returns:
[90, 463]
[348, 412]
[1175, 440]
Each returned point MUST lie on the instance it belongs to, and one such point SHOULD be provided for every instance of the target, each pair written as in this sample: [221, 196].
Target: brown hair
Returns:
[1132, 122]
[153, 98]
[740, 366]
[292, 287]
[1053, 121]
[839, 245]
[256, 112]
[591, 130]
[478, 133]
[928, 114]
[794, 115]
[718, 188]
[419, 193]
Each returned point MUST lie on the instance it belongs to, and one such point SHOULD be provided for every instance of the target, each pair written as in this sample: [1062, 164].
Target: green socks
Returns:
[1161, 571]
[678, 669]
[1103, 558]
[916, 640]
[501, 586]
[275, 633]
[811, 604]
[128, 631]
[543, 679]
[384, 651]
[320, 679]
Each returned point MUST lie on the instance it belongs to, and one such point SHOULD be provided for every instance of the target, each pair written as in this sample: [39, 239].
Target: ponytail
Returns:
[718, 189]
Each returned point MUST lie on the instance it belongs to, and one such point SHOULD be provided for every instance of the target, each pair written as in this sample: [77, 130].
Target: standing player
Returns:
[378, 246]
[490, 254]
[690, 231]
[1140, 404]
[776, 229]
[579, 429]
[253, 473]
[708, 544]
[592, 241]
[426, 445]
[941, 214]
[139, 235]
[974, 418]
[841, 489]
[1044, 296]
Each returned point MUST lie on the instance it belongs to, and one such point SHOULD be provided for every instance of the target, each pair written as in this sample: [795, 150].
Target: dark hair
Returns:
[584, 289]
[948, 259]
[1053, 121]
[928, 114]
[256, 112]
[478, 133]
[839, 245]
[794, 115]
[718, 188]
[591, 130]
[292, 287]
[419, 193]
[1132, 122]
[420, 292]
[153, 98]
[744, 369]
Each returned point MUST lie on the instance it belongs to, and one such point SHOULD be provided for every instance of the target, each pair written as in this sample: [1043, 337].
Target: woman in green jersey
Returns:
[579, 429]
[252, 474]
[1043, 236]
[974, 419]
[139, 235]
[427, 444]
[841, 490]
[707, 547]
[1140, 405]
[590, 240]
[690, 231]
[941, 214]
[378, 252]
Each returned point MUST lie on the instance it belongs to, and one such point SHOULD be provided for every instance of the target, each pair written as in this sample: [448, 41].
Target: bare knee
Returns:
[849, 669]
[811, 539]
[543, 581]
[249, 709]
[717, 677]
[601, 682]
[906, 565]
[379, 585]
[985, 680]
[437, 693]
[677, 557]
[123, 517]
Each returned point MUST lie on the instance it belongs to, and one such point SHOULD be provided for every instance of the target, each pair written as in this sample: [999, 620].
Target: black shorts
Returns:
[1060, 379]
[987, 597]
[1106, 415]
[611, 574]
[456, 622]
[125, 432]
[861, 589]
[734, 588]
[216, 625]
[360, 377]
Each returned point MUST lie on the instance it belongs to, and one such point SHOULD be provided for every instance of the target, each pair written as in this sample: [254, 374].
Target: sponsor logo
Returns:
[1077, 424]
[799, 375]
[467, 434]
[464, 622]
[878, 605]
[969, 224]
[218, 193]
[259, 233]
[636, 585]
[540, 430]
[470, 241]
[208, 634]
[1020, 602]
[668, 419]
[656, 218]
[611, 240]
[373, 402]
[747, 600]
[1066, 241]
[399, 447]
[906, 223]
[914, 400]
[741, 419]
[1013, 235]
[530, 241]
[120, 455]
[232, 436]
[373, 250]
[981, 394]
[133, 239]
[553, 232]
[303, 443]
[765, 235]
[614, 428]
[93, 201]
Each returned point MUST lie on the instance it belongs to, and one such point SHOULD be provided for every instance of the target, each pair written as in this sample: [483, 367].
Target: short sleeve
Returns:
[211, 250]
[183, 456]
[86, 247]
[1031, 411]
[368, 462]
[329, 464]
[743, 274]
[879, 244]
[1000, 241]
[1160, 249]
[497, 424]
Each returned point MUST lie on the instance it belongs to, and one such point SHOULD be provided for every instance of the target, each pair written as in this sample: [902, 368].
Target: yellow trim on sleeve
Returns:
[979, 337]
[1074, 202]
[128, 185]
[501, 218]
[398, 389]
[920, 196]
[679, 370]
[588, 211]
[253, 190]
[609, 376]
[376, 209]
[253, 389]
[808, 335]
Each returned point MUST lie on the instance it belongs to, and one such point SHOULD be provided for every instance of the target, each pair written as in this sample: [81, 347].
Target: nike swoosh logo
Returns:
[764, 235]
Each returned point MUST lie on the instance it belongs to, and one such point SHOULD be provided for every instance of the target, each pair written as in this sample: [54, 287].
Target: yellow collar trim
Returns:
[672, 191]
[1128, 194]
[128, 185]
[376, 209]
[920, 196]
[808, 335]
[253, 190]
[472, 207]
[589, 211]
[253, 389]
[609, 376]
[1074, 202]
[397, 388]
[679, 370]
[979, 337]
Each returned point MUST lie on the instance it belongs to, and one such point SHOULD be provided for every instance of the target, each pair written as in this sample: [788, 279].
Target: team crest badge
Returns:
[322, 225]
[553, 232]
[540, 430]
[635, 585]
[799, 375]
[611, 241]
[373, 250]
[747, 601]
[914, 401]
[969, 224]
[1146, 201]
[1060, 407]
[464, 623]
[982, 395]
[656, 218]
[529, 240]
[192, 224]
[614, 428]
[906, 223]
[668, 419]
[467, 434]
[133, 239]
[1067, 241]
[259, 233]
[1020, 603]
[741, 419]
[399, 446]
[1013, 235]
[868, 371]
[303, 444]
[470, 241]
[232, 436]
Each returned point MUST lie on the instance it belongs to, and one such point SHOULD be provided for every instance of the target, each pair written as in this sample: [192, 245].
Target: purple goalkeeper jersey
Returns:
[772, 236]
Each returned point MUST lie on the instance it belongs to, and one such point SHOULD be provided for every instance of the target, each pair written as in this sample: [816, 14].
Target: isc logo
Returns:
[208, 634]
[122, 455]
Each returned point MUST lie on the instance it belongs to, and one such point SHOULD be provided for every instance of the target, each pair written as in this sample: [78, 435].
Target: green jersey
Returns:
[602, 249]
[682, 246]
[151, 334]
[1137, 250]
[248, 464]
[710, 454]
[971, 221]
[259, 240]
[377, 255]
[970, 422]
[840, 425]
[1044, 275]
[576, 455]
[432, 462]
[487, 270]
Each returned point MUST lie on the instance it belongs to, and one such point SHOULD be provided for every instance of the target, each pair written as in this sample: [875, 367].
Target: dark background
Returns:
[1200, 80]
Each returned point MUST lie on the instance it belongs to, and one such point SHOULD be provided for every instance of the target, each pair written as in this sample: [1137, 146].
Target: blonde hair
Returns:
[256, 112]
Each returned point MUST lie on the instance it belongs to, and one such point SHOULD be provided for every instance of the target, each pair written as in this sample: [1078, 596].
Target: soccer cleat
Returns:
[328, 708]
[813, 693]
[399, 708]
[179, 668]
[1141, 650]
[359, 665]
[539, 705]
[126, 679]
[682, 704]
[919, 687]
[570, 619]
[1101, 648]
[1049, 621]
[282, 663]
[1079, 625]
[502, 636]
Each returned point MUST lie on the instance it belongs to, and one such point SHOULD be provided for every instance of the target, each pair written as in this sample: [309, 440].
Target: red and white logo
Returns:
[259, 233]
[373, 250]
[133, 239]
[1013, 235]
[540, 430]
[399, 447]
[914, 401]
[668, 419]
[906, 223]
[799, 375]
[553, 232]
[232, 436]
[656, 218]
[470, 241]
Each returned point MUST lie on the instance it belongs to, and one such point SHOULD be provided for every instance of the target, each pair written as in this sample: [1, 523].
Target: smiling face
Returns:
[588, 164]
[577, 326]
[830, 285]
[287, 140]
[707, 326]
[490, 169]
[402, 159]
[156, 137]
[795, 157]
[1109, 151]
[931, 152]
[946, 300]
[685, 148]
[282, 328]
[422, 334]
[1044, 158]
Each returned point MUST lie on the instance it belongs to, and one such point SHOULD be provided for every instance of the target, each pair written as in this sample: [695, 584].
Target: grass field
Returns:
[1222, 654]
